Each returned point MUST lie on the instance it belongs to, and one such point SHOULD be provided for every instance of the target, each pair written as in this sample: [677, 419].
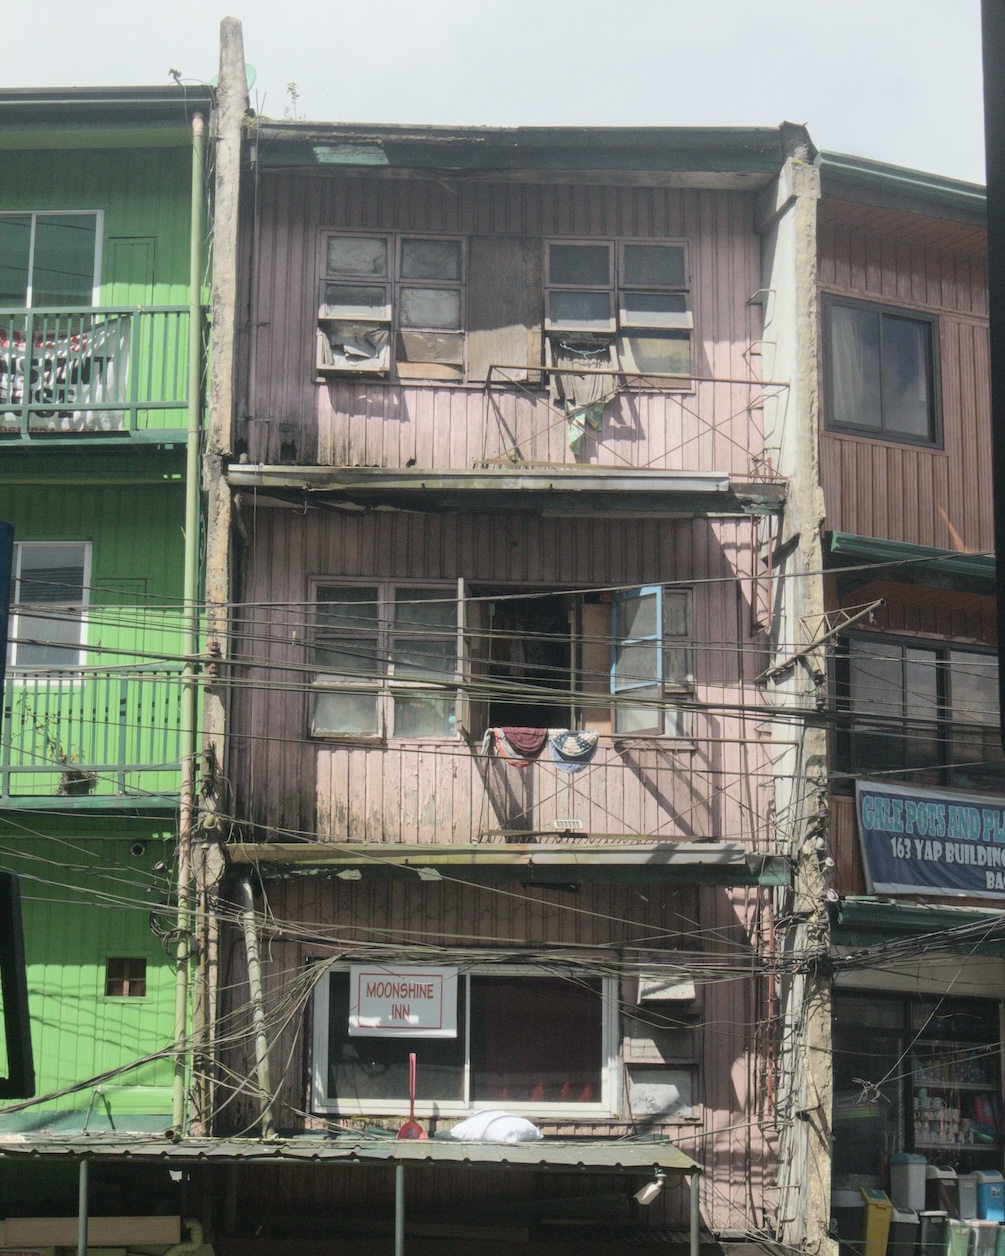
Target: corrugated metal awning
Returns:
[587, 1155]
[631, 860]
[912, 564]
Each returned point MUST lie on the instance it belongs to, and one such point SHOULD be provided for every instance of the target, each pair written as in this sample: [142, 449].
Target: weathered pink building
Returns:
[514, 527]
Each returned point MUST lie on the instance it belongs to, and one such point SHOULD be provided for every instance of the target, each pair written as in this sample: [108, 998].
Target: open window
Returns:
[528, 1040]
[649, 660]
[413, 661]
[391, 304]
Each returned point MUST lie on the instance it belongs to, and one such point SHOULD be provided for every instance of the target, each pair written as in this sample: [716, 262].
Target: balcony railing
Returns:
[104, 371]
[107, 733]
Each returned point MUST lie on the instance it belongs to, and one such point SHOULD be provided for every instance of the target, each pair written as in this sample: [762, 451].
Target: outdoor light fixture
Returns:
[646, 1194]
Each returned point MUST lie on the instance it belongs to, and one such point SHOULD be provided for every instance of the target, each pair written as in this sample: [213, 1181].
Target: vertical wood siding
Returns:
[316, 916]
[367, 424]
[715, 785]
[938, 497]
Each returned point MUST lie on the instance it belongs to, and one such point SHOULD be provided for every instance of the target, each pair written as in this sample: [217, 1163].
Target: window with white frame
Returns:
[620, 303]
[49, 259]
[49, 596]
[386, 660]
[391, 304]
[528, 1040]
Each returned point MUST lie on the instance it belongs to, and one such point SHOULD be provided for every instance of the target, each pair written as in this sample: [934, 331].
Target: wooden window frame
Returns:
[606, 1107]
[393, 282]
[127, 978]
[383, 685]
[931, 322]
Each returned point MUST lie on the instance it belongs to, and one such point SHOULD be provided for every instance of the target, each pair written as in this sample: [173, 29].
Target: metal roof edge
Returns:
[705, 149]
[921, 564]
[900, 187]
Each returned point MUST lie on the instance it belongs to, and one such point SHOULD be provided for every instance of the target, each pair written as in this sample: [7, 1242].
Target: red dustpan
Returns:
[411, 1128]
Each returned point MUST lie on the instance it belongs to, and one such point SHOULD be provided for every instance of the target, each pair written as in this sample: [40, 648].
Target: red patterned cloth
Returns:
[527, 742]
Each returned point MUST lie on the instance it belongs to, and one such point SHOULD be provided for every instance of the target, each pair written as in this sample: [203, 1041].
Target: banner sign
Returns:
[929, 841]
[412, 1002]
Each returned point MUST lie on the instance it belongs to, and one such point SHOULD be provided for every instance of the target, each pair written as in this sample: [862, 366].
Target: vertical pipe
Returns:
[82, 1207]
[399, 1210]
[695, 1214]
[190, 615]
[257, 1005]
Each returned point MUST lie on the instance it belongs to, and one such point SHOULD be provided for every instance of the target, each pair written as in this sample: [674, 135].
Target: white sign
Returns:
[413, 1002]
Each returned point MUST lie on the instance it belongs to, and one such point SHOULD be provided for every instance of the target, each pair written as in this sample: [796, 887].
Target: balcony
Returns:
[103, 735]
[109, 372]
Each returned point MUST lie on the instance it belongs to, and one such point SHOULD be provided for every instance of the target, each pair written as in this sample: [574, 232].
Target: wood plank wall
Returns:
[290, 418]
[731, 1132]
[715, 786]
[926, 496]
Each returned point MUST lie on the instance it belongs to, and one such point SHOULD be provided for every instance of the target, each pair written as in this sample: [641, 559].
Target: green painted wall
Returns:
[83, 901]
[145, 196]
[137, 557]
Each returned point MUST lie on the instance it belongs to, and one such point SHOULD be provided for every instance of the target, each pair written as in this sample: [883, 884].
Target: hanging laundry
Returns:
[572, 749]
[583, 397]
[517, 746]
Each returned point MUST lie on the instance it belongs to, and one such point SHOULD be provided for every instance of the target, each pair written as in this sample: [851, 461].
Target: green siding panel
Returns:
[114, 718]
[85, 901]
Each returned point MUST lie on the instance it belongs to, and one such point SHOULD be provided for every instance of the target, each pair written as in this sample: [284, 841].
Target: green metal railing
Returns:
[103, 733]
[103, 371]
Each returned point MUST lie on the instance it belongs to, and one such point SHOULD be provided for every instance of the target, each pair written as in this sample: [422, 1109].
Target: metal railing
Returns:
[108, 732]
[121, 369]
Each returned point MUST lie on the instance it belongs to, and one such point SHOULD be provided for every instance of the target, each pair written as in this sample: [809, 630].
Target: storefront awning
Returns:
[909, 564]
[632, 860]
[632, 1156]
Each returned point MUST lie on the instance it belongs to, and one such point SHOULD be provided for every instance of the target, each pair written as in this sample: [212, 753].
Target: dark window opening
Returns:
[529, 648]
[126, 978]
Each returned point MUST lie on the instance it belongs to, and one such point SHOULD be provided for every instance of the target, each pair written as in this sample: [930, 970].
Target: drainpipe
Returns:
[399, 1210]
[82, 1207]
[190, 644]
[257, 1004]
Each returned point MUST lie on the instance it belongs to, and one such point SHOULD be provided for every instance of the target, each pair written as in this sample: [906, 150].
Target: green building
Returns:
[101, 366]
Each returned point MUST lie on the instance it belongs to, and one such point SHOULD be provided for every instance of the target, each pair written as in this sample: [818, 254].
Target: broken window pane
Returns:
[355, 346]
[430, 259]
[431, 346]
[580, 264]
[430, 307]
[355, 255]
[580, 309]
[654, 264]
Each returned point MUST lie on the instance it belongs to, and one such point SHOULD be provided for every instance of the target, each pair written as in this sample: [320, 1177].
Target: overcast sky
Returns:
[897, 80]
